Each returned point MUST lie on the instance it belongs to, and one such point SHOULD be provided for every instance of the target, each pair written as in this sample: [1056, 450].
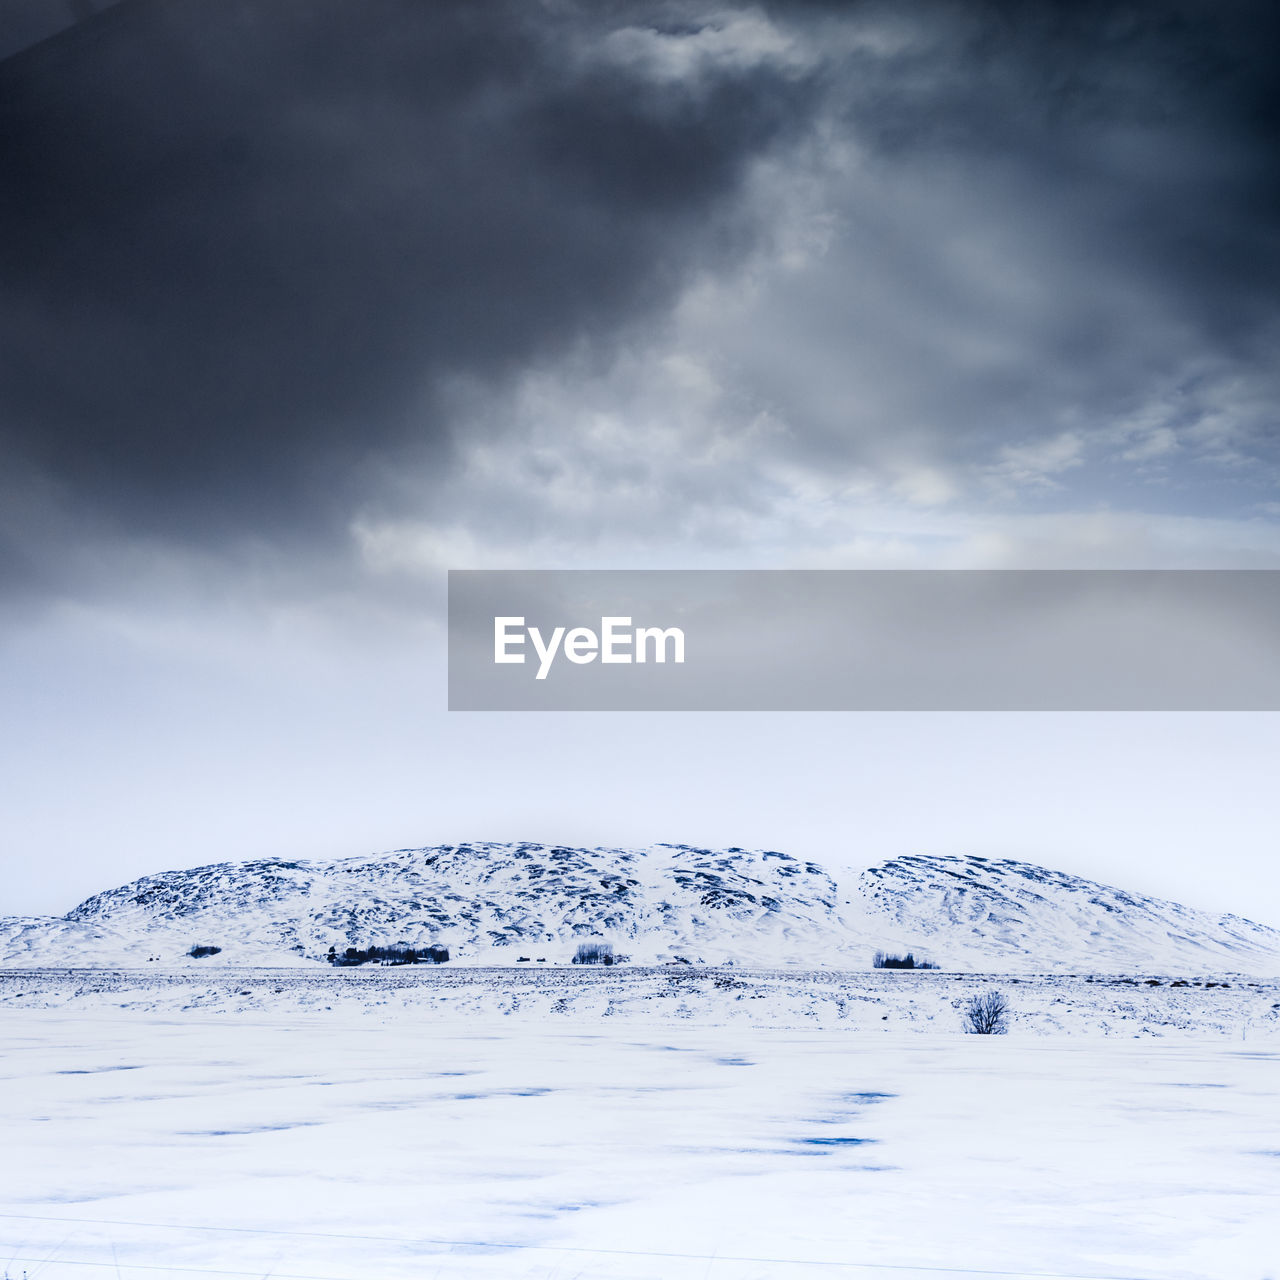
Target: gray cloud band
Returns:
[865, 641]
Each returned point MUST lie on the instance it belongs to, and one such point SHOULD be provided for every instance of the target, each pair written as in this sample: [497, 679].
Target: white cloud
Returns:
[734, 40]
[1158, 442]
[1036, 464]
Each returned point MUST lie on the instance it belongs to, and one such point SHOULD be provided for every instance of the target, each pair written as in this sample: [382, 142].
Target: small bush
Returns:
[199, 953]
[593, 953]
[987, 1014]
[881, 960]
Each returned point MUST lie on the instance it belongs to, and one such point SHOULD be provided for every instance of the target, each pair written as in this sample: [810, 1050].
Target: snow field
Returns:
[1235, 1007]
[381, 1144]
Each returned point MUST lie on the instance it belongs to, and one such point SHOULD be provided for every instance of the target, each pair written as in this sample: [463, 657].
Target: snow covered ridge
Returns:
[999, 914]
[504, 904]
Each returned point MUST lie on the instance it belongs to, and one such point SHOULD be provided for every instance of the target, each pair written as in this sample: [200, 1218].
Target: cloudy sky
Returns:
[307, 301]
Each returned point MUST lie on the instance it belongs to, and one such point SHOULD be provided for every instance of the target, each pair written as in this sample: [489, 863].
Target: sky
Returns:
[305, 303]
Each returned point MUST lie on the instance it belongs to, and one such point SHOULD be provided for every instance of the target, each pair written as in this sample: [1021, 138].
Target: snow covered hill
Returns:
[488, 903]
[497, 903]
[1002, 915]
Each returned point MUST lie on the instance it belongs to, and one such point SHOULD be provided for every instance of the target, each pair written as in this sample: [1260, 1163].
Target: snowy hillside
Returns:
[489, 903]
[999, 914]
[497, 903]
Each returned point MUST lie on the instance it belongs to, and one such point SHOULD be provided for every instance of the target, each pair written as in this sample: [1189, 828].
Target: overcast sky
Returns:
[306, 301]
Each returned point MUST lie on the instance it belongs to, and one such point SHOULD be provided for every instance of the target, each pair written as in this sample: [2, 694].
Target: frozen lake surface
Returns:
[402, 1140]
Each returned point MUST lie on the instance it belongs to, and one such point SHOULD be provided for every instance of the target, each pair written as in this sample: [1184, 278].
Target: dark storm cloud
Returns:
[1164, 117]
[241, 241]
[251, 249]
[1062, 218]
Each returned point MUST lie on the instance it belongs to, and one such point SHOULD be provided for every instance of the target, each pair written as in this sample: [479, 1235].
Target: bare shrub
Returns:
[986, 1014]
[199, 953]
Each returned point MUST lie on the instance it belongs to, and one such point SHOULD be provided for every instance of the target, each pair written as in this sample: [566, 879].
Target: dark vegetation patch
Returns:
[882, 960]
[393, 955]
[594, 953]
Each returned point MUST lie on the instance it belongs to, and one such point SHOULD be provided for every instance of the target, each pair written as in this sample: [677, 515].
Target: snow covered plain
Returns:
[665, 1123]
